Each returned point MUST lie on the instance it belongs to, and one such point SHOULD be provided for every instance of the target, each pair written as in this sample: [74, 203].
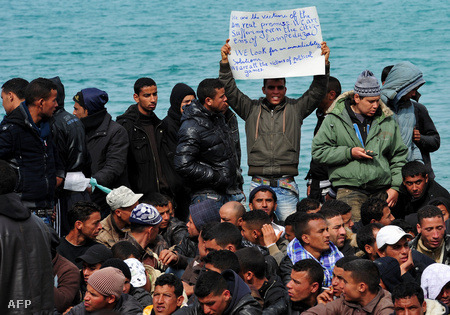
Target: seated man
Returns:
[392, 241]
[232, 212]
[104, 292]
[344, 210]
[362, 292]
[338, 234]
[122, 201]
[224, 236]
[308, 205]
[374, 210]
[268, 290]
[408, 299]
[222, 294]
[221, 260]
[366, 238]
[84, 220]
[312, 240]
[168, 295]
[257, 229]
[432, 239]
[417, 190]
[264, 198]
[289, 226]
[304, 287]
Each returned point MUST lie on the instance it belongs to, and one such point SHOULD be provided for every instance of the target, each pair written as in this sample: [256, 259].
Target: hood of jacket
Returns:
[237, 287]
[434, 278]
[179, 92]
[12, 207]
[403, 78]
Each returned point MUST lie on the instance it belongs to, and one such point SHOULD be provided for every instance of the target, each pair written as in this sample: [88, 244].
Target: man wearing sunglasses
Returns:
[272, 125]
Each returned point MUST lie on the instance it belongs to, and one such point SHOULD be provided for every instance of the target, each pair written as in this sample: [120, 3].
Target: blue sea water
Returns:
[109, 44]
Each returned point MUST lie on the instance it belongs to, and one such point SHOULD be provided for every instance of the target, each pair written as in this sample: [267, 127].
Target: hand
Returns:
[360, 153]
[225, 51]
[167, 257]
[407, 265]
[392, 197]
[416, 135]
[325, 52]
[269, 234]
[326, 296]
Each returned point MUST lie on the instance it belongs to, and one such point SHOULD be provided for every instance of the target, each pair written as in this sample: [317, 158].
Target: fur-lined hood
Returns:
[349, 94]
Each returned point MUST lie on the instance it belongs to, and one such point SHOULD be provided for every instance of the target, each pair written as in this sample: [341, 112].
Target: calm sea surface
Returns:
[109, 44]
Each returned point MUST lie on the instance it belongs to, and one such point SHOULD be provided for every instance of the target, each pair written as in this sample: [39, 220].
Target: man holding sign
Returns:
[272, 125]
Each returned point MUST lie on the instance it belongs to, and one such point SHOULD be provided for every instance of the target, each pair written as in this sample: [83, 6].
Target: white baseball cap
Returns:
[122, 197]
[390, 235]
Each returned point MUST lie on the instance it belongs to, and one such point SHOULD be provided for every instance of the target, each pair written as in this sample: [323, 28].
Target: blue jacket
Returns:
[31, 152]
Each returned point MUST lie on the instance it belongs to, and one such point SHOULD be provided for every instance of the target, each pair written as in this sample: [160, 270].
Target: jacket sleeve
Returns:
[116, 157]
[325, 148]
[314, 95]
[240, 102]
[286, 266]
[397, 159]
[6, 142]
[430, 140]
[68, 286]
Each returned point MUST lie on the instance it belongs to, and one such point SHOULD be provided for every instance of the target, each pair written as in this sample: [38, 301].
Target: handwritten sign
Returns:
[275, 44]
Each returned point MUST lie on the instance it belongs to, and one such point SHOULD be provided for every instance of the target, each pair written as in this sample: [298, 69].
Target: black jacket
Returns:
[175, 232]
[446, 257]
[33, 155]
[26, 270]
[125, 305]
[206, 154]
[275, 296]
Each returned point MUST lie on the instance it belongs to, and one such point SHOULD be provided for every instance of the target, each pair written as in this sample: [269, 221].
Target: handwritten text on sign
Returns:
[275, 44]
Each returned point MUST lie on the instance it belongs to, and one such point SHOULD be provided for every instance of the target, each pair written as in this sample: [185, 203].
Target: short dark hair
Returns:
[226, 233]
[414, 168]
[275, 79]
[334, 85]
[37, 89]
[364, 236]
[408, 290]
[346, 259]
[385, 72]
[251, 259]
[207, 88]
[124, 250]
[223, 260]
[206, 230]
[307, 204]
[312, 267]
[210, 282]
[329, 213]
[119, 264]
[143, 82]
[428, 212]
[138, 228]
[9, 178]
[157, 200]
[81, 211]
[338, 205]
[291, 219]
[364, 270]
[438, 201]
[256, 218]
[16, 86]
[302, 224]
[172, 281]
[407, 227]
[372, 208]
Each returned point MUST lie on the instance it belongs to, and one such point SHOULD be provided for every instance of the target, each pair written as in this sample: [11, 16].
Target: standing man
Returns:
[13, 93]
[145, 173]
[206, 152]
[273, 126]
[107, 142]
[26, 142]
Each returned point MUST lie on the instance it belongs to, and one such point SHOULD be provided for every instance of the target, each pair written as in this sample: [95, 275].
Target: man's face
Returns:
[337, 231]
[7, 103]
[444, 210]
[211, 246]
[416, 185]
[186, 101]
[49, 105]
[165, 302]
[125, 213]
[444, 295]
[127, 286]
[319, 237]
[351, 288]
[289, 233]
[79, 111]
[372, 250]
[275, 91]
[154, 230]
[192, 229]
[88, 270]
[94, 301]
[247, 233]
[366, 106]
[387, 217]
[348, 222]
[217, 104]
[411, 94]
[164, 211]
[264, 200]
[147, 99]
[91, 226]
[215, 305]
[337, 282]
[227, 214]
[433, 231]
[399, 251]
[201, 247]
[409, 306]
[300, 286]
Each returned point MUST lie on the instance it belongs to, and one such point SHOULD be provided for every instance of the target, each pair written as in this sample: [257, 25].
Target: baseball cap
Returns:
[122, 197]
[390, 235]
[95, 254]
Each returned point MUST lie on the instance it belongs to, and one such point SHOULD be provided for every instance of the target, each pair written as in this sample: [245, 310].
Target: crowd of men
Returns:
[165, 226]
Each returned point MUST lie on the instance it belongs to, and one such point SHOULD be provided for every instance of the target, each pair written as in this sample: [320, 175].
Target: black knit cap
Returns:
[119, 264]
[258, 189]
